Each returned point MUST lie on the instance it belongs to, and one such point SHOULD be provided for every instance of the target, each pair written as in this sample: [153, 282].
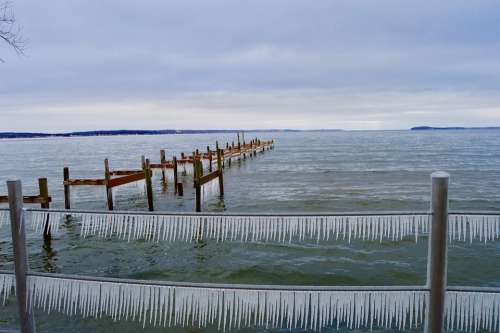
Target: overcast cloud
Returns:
[252, 64]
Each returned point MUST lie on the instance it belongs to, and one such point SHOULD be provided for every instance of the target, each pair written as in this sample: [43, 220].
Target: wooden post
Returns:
[209, 159]
[149, 184]
[67, 196]
[180, 189]
[44, 193]
[162, 161]
[109, 190]
[174, 160]
[197, 186]
[438, 247]
[221, 176]
[143, 162]
[26, 319]
[217, 149]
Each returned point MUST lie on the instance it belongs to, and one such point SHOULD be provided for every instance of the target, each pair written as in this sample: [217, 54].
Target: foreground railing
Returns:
[233, 306]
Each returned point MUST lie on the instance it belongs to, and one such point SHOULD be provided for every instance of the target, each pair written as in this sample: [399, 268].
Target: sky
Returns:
[156, 64]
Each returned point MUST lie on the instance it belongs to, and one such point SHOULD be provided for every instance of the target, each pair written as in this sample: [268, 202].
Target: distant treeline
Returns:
[429, 128]
[12, 135]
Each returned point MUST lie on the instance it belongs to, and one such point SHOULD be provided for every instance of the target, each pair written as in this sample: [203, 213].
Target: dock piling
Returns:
[437, 261]
[109, 191]
[26, 318]
[163, 161]
[67, 196]
[44, 193]
[221, 176]
[149, 185]
[176, 184]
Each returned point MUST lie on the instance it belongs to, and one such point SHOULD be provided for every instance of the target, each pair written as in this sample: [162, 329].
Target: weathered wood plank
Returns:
[126, 179]
[208, 177]
[82, 182]
[166, 165]
[123, 172]
[29, 199]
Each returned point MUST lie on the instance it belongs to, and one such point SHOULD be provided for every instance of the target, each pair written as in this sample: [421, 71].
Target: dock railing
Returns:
[230, 306]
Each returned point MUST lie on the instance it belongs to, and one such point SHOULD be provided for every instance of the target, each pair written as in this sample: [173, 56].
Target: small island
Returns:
[430, 128]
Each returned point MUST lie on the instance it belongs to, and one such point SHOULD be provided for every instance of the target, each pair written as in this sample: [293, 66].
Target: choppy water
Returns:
[307, 172]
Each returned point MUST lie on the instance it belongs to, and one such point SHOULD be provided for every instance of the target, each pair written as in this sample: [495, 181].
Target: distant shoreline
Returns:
[26, 135]
[29, 135]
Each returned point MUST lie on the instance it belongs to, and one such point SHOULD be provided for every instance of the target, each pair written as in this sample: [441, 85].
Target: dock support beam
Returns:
[437, 261]
[26, 319]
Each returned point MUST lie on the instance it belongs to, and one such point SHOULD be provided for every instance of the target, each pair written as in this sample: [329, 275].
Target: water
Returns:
[306, 172]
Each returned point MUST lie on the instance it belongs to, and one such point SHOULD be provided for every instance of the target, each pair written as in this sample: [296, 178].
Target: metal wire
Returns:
[225, 286]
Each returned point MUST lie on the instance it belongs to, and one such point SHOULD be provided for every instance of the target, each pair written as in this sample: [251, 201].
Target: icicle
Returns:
[130, 226]
[481, 227]
[4, 218]
[233, 308]
[209, 189]
[472, 311]
[7, 285]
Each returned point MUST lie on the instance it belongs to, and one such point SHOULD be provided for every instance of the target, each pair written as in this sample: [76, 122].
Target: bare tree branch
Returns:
[10, 32]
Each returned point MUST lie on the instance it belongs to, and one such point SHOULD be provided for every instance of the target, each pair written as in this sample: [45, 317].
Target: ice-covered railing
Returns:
[370, 226]
[7, 285]
[484, 226]
[472, 309]
[236, 227]
[228, 306]
[4, 217]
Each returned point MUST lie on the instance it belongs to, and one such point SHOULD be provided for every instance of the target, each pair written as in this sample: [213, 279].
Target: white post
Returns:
[26, 319]
[437, 256]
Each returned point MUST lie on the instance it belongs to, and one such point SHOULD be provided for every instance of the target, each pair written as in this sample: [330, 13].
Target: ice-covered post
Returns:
[438, 247]
[20, 258]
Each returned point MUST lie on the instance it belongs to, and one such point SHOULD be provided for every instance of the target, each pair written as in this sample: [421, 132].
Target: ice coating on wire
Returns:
[154, 227]
[252, 228]
[226, 308]
[7, 285]
[472, 311]
[482, 227]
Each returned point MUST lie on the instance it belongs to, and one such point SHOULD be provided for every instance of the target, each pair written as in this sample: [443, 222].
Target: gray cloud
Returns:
[126, 54]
